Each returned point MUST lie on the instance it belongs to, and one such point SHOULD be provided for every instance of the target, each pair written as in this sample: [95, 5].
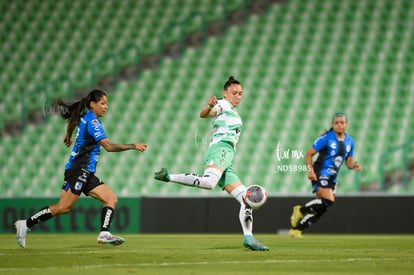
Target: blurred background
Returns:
[299, 63]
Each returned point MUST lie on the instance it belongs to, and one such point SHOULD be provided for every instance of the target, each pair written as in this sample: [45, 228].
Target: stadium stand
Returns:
[299, 63]
[42, 40]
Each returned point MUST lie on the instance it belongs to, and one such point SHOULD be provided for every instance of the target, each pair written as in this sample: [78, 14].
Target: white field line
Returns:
[164, 264]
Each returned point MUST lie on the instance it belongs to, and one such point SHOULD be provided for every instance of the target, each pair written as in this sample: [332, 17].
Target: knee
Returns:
[115, 200]
[328, 203]
[207, 183]
[210, 178]
[59, 209]
[111, 200]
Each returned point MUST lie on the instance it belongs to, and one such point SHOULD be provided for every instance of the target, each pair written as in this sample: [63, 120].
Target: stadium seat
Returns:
[299, 63]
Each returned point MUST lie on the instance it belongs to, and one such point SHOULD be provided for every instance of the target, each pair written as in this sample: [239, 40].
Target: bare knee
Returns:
[111, 200]
[115, 200]
[104, 194]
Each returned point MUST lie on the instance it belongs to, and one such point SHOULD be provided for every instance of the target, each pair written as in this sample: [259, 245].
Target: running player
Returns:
[335, 147]
[80, 169]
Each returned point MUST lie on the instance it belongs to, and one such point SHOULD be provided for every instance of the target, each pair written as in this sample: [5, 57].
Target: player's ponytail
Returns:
[230, 81]
[326, 131]
[72, 112]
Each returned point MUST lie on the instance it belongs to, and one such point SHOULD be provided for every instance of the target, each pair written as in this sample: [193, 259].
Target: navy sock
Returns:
[106, 218]
[312, 212]
[41, 216]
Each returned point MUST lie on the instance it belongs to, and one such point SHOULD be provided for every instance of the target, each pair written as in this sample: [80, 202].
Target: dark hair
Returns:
[333, 118]
[74, 111]
[339, 115]
[230, 81]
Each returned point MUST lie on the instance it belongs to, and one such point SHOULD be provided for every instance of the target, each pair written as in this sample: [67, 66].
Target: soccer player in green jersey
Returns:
[218, 158]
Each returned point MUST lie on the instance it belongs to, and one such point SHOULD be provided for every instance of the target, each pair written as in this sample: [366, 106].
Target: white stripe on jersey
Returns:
[227, 124]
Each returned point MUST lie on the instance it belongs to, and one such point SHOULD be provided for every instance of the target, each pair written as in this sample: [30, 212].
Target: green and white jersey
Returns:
[227, 124]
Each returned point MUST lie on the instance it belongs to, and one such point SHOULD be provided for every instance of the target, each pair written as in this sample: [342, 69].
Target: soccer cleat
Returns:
[21, 231]
[295, 233]
[250, 242]
[162, 175]
[296, 216]
[108, 238]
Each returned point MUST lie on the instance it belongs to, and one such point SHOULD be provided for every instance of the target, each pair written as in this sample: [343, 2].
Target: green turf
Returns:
[208, 254]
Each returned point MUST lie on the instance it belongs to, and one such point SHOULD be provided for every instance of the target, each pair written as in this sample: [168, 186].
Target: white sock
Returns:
[208, 181]
[104, 233]
[245, 214]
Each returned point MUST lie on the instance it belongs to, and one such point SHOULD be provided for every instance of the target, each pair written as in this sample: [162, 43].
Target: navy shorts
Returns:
[80, 180]
[323, 182]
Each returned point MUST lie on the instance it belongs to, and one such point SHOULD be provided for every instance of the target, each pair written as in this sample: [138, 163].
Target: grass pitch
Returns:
[208, 254]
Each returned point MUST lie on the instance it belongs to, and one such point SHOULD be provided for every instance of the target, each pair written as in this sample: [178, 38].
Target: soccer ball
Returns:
[255, 196]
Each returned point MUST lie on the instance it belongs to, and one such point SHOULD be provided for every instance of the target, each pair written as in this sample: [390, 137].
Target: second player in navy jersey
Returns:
[332, 153]
[334, 148]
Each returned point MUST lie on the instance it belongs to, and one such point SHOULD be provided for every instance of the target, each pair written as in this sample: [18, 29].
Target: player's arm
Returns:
[308, 159]
[69, 131]
[115, 147]
[351, 164]
[209, 110]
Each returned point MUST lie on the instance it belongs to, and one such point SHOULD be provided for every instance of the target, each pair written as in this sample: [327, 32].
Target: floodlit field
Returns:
[208, 254]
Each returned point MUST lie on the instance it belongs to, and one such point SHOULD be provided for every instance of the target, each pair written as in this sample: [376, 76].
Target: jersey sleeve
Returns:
[320, 142]
[96, 130]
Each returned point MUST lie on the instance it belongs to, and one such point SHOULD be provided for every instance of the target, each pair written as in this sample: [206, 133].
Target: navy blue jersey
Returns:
[332, 153]
[85, 151]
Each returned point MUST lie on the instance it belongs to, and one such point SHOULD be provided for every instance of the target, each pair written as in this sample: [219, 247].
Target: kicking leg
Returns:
[209, 180]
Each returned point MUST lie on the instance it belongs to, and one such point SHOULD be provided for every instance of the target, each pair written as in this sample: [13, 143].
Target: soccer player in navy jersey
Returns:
[335, 147]
[80, 169]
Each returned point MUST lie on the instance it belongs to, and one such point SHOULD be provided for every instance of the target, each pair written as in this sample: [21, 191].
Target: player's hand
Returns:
[312, 175]
[212, 101]
[140, 147]
[357, 167]
[68, 141]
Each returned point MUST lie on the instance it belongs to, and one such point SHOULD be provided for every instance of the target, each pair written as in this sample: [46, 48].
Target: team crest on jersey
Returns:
[348, 148]
[338, 161]
[95, 121]
[333, 145]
